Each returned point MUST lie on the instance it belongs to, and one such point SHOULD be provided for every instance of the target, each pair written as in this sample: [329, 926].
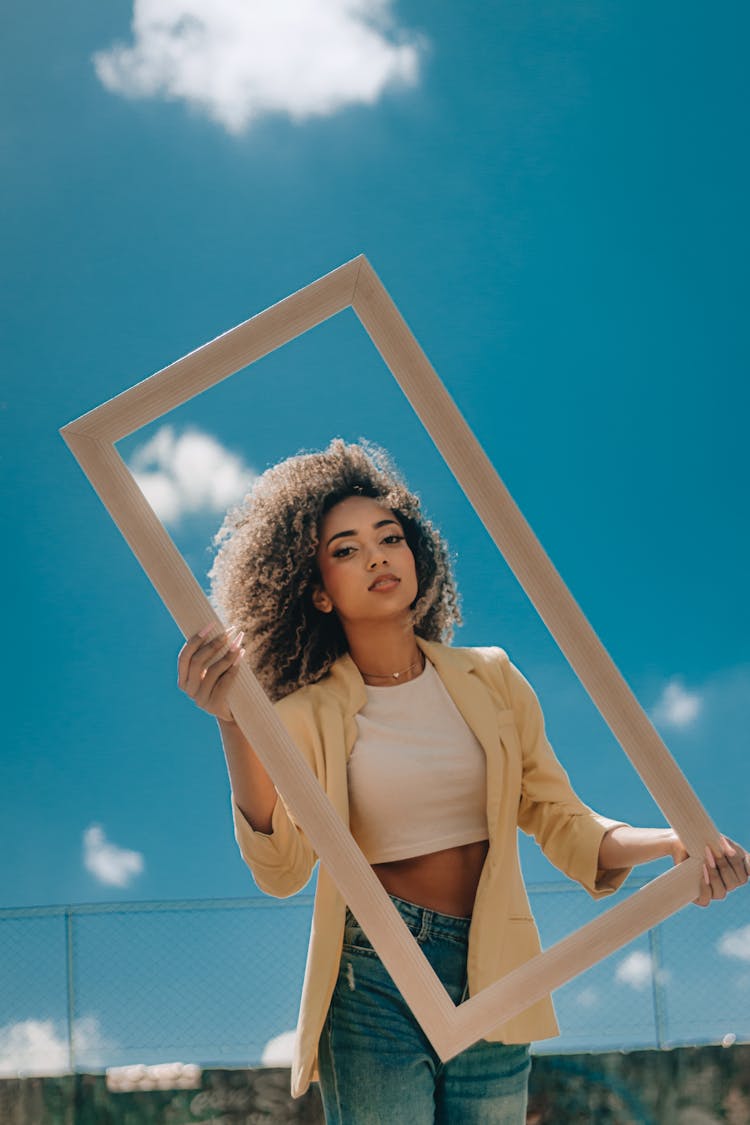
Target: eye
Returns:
[394, 537]
[342, 552]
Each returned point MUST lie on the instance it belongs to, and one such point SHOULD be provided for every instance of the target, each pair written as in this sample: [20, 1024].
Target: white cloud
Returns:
[587, 998]
[107, 862]
[636, 970]
[735, 943]
[40, 1047]
[279, 1050]
[677, 707]
[237, 60]
[188, 474]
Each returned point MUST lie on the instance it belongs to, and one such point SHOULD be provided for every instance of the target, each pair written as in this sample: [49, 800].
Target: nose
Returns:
[376, 558]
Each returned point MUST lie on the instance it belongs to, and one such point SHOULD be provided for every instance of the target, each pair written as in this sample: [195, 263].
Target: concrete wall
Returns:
[689, 1086]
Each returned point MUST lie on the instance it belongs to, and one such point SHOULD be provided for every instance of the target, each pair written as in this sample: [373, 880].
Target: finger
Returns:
[704, 894]
[737, 859]
[211, 680]
[216, 702]
[212, 661]
[228, 679]
[212, 672]
[730, 876]
[202, 661]
[217, 697]
[716, 875]
[188, 650]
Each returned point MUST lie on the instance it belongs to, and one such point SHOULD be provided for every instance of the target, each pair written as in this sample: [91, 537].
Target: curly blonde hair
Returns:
[265, 569]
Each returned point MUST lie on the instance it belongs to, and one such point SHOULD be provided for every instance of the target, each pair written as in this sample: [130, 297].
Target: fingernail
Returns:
[238, 657]
[232, 629]
[237, 642]
[728, 849]
[710, 857]
[206, 631]
[705, 874]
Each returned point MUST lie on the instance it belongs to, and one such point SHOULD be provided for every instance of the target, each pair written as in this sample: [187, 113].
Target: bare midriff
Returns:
[445, 881]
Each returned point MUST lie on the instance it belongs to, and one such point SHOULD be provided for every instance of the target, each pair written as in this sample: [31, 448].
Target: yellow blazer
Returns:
[526, 787]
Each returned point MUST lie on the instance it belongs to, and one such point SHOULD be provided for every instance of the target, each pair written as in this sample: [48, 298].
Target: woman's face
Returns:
[366, 566]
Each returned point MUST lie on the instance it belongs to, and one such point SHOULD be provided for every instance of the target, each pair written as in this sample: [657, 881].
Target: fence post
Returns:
[70, 987]
[657, 986]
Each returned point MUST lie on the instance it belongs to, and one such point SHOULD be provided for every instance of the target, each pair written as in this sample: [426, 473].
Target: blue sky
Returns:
[556, 197]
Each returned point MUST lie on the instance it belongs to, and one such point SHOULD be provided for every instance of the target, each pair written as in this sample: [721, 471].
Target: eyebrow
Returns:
[346, 534]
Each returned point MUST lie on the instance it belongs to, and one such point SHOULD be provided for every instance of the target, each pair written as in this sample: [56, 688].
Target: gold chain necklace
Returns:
[392, 675]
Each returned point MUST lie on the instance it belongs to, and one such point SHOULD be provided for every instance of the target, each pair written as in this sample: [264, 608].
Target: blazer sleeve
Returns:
[568, 831]
[282, 860]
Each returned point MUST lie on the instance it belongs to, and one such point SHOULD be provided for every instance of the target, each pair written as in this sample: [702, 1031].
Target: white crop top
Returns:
[417, 775]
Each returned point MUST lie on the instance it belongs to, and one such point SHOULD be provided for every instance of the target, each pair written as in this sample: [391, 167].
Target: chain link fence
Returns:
[217, 982]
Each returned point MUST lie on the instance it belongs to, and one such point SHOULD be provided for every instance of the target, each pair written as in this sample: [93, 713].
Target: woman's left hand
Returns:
[722, 872]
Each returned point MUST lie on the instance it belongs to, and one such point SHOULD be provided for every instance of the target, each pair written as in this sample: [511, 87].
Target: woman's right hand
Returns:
[207, 667]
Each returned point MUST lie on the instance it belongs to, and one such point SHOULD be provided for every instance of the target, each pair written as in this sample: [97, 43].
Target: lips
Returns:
[384, 582]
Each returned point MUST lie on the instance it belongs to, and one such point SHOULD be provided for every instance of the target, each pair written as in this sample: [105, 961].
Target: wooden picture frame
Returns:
[355, 285]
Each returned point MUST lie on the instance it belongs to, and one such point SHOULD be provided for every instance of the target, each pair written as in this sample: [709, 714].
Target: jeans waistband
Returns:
[423, 922]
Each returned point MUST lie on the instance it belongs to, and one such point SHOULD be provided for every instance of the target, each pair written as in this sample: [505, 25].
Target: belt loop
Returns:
[426, 923]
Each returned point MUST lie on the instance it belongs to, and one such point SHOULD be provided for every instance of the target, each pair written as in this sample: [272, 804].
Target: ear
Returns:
[321, 600]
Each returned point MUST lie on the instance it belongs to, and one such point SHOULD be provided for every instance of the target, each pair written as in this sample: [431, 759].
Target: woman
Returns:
[344, 603]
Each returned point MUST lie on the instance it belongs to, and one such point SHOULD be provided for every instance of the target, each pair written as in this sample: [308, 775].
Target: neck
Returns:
[380, 651]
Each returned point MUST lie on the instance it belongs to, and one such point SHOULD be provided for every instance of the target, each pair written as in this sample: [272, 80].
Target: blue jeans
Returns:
[377, 1066]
